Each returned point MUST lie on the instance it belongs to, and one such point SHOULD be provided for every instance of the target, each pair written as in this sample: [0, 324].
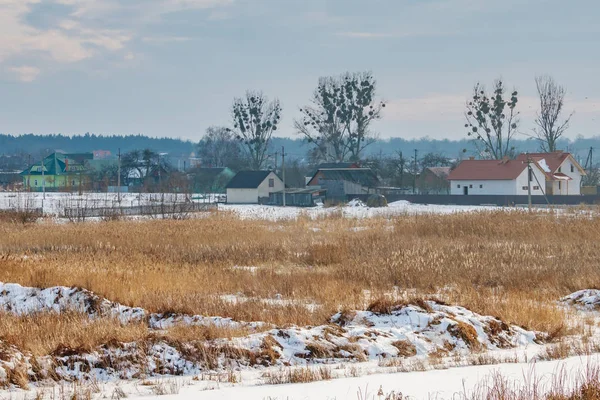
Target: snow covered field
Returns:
[54, 203]
[420, 350]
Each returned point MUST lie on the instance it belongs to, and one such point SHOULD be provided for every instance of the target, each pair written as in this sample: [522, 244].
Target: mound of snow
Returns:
[356, 203]
[23, 300]
[385, 331]
[406, 331]
[588, 299]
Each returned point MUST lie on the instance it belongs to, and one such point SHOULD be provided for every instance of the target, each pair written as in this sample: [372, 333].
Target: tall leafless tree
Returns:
[220, 148]
[338, 120]
[492, 120]
[550, 128]
[254, 121]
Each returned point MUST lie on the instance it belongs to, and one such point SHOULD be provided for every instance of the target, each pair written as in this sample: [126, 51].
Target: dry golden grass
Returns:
[50, 333]
[509, 265]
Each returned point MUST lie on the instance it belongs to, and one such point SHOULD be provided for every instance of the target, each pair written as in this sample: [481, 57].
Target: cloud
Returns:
[433, 107]
[165, 39]
[25, 73]
[438, 107]
[365, 35]
[88, 29]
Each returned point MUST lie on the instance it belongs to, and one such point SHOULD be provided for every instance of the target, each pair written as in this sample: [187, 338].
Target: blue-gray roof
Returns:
[247, 179]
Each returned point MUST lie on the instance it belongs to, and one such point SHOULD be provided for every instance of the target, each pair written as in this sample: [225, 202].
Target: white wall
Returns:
[242, 196]
[516, 186]
[481, 187]
[251, 196]
[264, 189]
[521, 182]
[572, 187]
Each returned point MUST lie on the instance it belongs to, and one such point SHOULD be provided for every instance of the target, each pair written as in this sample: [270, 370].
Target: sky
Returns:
[173, 67]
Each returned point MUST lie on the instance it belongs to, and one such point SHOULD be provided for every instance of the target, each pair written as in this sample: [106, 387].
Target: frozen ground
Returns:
[362, 351]
[441, 384]
[55, 203]
[348, 211]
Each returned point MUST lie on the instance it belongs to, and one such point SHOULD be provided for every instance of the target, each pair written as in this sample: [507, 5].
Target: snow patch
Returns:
[587, 299]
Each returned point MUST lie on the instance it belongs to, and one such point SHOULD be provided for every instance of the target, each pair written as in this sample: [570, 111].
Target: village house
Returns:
[210, 180]
[555, 173]
[563, 172]
[434, 180]
[343, 182]
[59, 171]
[252, 187]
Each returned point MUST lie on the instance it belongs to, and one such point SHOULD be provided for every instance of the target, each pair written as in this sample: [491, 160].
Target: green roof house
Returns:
[210, 180]
[58, 172]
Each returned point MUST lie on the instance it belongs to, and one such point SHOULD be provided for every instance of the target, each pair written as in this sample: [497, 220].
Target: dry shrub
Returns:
[51, 333]
[466, 333]
[24, 216]
[297, 375]
[405, 348]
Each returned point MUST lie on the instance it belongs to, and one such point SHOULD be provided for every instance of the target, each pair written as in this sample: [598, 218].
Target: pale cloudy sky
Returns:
[172, 67]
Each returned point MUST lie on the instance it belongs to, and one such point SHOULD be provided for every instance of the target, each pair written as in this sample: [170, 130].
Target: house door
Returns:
[465, 190]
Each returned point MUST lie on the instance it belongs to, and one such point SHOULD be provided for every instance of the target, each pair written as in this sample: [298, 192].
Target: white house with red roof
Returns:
[556, 173]
[563, 172]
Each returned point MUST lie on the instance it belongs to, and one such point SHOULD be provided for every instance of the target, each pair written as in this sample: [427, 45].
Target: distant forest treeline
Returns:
[34, 145]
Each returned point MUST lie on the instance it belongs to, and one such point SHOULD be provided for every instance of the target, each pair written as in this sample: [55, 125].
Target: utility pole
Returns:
[415, 174]
[529, 178]
[119, 178]
[29, 173]
[283, 171]
[276, 159]
[159, 180]
[43, 183]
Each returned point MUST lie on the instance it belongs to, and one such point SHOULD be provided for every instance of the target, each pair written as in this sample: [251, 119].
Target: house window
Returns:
[559, 184]
[480, 186]
[559, 169]
[458, 186]
[525, 187]
[35, 182]
[73, 182]
[536, 188]
[471, 186]
[271, 182]
[572, 168]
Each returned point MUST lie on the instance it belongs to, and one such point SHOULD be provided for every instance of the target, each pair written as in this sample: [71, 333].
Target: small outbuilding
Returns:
[304, 197]
[252, 187]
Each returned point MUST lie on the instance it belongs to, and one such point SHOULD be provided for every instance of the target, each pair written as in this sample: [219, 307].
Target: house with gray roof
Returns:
[252, 187]
[343, 182]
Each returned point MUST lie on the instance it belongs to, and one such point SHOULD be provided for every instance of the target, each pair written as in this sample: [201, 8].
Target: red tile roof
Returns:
[553, 160]
[487, 170]
[440, 172]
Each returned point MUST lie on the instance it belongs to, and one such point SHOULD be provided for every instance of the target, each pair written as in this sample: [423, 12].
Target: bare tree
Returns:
[552, 99]
[338, 120]
[220, 148]
[492, 120]
[254, 121]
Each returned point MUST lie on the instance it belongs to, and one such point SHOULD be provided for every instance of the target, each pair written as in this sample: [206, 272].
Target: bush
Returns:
[377, 200]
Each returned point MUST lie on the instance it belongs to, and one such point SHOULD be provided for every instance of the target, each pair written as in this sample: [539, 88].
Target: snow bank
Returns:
[386, 331]
[588, 299]
[356, 203]
[21, 300]
[405, 331]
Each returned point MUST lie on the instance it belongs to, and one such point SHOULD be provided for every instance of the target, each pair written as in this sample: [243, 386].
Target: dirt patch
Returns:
[405, 348]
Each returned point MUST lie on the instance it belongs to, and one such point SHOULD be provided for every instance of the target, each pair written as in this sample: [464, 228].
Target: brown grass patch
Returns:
[509, 265]
[405, 348]
[466, 333]
[64, 334]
